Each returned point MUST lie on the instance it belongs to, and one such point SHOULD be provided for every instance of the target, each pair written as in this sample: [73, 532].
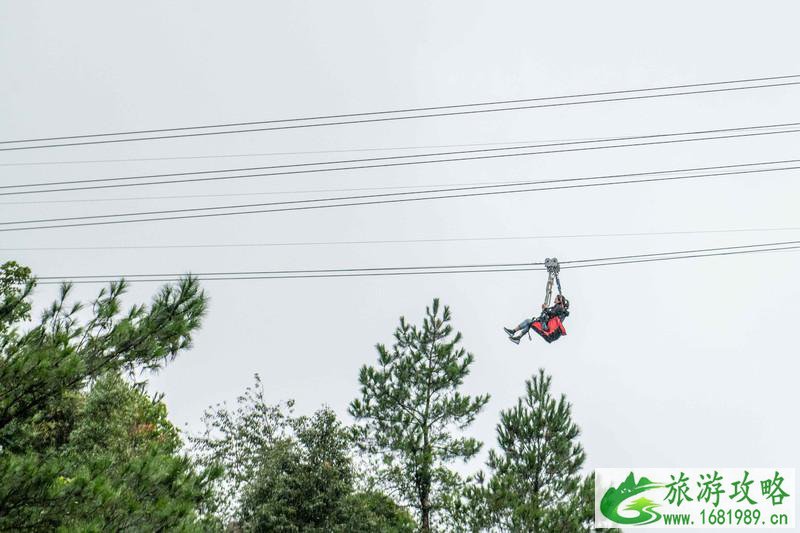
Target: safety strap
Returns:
[548, 293]
[552, 266]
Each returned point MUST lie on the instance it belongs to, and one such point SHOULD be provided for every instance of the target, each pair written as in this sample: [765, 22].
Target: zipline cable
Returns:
[202, 212]
[448, 269]
[359, 118]
[650, 260]
[658, 254]
[395, 164]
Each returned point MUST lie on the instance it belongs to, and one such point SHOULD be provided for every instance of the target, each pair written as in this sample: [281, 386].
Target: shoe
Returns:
[515, 340]
[509, 332]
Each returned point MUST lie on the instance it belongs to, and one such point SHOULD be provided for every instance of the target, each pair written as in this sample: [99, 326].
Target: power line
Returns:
[387, 158]
[359, 118]
[394, 164]
[385, 200]
[413, 192]
[372, 159]
[396, 194]
[398, 241]
[250, 194]
[446, 269]
[264, 154]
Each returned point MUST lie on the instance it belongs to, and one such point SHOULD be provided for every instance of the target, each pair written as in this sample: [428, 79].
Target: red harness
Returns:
[555, 329]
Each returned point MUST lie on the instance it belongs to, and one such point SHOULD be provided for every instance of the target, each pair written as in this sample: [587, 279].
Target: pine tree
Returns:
[123, 446]
[80, 449]
[536, 483]
[411, 411]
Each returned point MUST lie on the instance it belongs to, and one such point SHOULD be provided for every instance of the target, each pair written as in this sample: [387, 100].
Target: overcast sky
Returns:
[683, 363]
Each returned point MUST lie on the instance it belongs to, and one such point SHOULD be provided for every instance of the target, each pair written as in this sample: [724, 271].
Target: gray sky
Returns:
[684, 363]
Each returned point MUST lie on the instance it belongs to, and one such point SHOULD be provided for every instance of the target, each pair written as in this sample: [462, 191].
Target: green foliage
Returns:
[289, 474]
[126, 436]
[412, 412]
[303, 481]
[16, 285]
[62, 354]
[535, 482]
[306, 484]
[538, 465]
[372, 511]
[112, 463]
[80, 448]
[237, 441]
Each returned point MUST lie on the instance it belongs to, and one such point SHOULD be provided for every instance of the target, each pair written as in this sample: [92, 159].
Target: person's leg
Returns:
[524, 325]
[522, 329]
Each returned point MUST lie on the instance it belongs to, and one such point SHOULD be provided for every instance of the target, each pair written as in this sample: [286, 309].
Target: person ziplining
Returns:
[550, 323]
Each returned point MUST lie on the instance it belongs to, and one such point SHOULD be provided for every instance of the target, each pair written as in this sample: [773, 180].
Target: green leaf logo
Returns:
[614, 498]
